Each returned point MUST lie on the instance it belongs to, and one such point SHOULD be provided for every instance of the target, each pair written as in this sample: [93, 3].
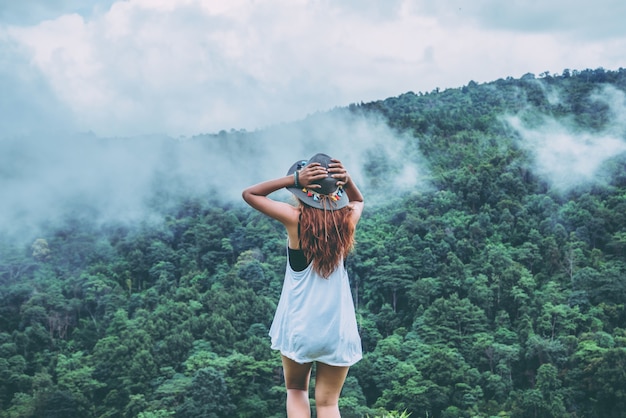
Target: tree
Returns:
[604, 377]
[75, 378]
[207, 396]
[454, 322]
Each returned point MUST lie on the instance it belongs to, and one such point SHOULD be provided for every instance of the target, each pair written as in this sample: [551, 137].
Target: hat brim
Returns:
[324, 202]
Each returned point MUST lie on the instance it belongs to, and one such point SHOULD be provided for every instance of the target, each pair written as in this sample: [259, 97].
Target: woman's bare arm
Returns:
[256, 196]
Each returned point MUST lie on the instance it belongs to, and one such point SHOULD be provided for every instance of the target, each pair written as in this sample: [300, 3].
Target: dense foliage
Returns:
[491, 294]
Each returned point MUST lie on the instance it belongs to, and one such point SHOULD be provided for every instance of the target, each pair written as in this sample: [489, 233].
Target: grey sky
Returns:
[583, 20]
[31, 12]
[183, 67]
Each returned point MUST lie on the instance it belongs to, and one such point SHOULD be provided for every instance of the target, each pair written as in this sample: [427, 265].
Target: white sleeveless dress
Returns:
[315, 319]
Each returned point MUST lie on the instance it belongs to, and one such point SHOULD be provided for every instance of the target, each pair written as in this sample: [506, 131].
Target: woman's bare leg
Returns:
[297, 382]
[328, 383]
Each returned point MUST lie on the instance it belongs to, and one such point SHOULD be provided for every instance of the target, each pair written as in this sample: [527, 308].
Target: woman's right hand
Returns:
[339, 172]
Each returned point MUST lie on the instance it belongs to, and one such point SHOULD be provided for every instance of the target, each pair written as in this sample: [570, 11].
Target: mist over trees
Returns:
[489, 273]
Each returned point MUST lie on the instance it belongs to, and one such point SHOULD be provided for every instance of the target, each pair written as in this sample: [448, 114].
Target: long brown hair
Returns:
[326, 236]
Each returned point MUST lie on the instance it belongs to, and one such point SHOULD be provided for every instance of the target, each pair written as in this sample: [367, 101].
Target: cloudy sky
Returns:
[184, 67]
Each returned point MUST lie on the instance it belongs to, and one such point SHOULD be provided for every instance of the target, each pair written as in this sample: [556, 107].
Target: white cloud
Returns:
[63, 51]
[192, 66]
[567, 155]
[118, 180]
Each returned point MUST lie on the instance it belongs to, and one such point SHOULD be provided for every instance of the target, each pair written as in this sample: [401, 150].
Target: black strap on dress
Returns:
[297, 260]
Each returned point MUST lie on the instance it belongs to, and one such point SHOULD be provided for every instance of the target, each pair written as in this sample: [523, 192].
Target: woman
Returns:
[315, 320]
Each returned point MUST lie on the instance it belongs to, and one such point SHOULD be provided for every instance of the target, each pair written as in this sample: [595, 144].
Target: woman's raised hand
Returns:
[338, 172]
[311, 173]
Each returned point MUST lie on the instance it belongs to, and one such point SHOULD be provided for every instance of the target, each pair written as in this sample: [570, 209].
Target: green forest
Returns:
[495, 292]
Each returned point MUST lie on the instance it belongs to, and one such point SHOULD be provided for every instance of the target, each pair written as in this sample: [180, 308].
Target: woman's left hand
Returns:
[337, 170]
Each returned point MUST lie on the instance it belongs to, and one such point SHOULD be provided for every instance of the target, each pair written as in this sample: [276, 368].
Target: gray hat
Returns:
[329, 196]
